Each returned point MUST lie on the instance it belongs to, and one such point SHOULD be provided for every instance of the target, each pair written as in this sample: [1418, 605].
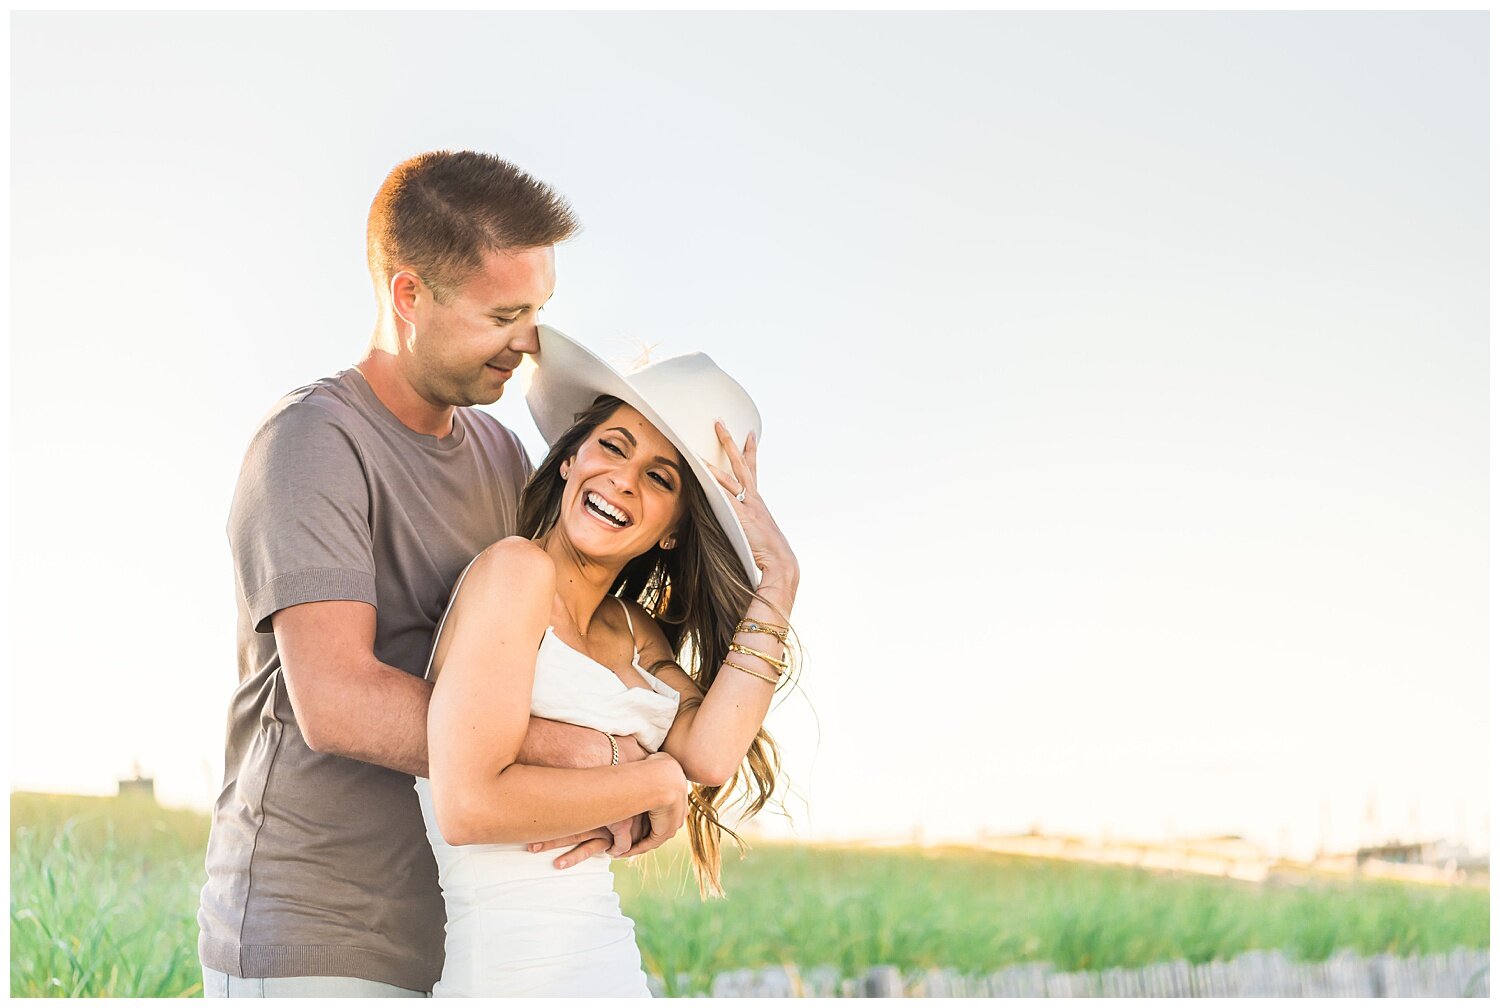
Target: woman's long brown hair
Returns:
[697, 593]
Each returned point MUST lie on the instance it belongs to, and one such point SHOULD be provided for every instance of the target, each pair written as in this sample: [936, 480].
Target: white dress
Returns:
[517, 926]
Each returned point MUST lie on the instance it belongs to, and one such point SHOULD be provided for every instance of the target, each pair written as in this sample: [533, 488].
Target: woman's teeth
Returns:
[603, 507]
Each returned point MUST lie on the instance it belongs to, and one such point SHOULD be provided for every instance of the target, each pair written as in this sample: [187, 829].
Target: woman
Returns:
[627, 504]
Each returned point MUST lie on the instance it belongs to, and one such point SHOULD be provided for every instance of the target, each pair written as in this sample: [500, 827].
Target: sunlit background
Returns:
[1124, 378]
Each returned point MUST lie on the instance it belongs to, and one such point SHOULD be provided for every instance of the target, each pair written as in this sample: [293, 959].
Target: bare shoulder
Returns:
[646, 628]
[651, 641]
[514, 559]
[505, 596]
[512, 576]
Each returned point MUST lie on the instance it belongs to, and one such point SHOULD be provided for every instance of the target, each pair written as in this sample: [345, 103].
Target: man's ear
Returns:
[406, 288]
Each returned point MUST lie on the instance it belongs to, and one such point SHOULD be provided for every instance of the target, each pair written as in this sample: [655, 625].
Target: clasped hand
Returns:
[628, 837]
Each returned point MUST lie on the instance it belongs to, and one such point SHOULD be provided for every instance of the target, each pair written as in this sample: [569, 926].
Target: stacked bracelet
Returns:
[748, 625]
[742, 649]
[773, 680]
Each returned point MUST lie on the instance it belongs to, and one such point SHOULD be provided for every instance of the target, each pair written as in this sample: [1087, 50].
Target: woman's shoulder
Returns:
[513, 562]
[650, 638]
[640, 619]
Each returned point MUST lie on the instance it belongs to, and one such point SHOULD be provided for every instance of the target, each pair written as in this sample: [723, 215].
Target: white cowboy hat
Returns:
[680, 396]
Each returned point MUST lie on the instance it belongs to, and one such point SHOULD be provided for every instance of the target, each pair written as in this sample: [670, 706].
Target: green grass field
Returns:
[104, 896]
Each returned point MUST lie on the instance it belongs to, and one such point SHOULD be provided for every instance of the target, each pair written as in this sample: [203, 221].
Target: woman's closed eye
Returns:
[664, 481]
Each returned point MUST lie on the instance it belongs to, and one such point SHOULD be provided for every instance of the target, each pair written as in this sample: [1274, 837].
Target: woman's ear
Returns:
[563, 469]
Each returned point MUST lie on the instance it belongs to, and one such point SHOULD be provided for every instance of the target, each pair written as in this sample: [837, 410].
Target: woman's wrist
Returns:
[668, 772]
[781, 574]
[665, 765]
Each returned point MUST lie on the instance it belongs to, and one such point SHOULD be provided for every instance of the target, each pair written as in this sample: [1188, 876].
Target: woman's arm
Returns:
[711, 739]
[711, 734]
[481, 703]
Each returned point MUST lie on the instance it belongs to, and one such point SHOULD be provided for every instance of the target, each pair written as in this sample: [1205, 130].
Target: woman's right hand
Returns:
[620, 839]
[768, 546]
[666, 819]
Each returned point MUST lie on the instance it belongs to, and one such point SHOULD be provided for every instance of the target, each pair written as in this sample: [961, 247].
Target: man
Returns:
[360, 500]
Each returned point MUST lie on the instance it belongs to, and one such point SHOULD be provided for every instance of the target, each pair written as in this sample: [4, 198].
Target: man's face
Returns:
[462, 353]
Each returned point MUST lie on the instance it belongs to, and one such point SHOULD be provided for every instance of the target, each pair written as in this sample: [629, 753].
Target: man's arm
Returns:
[348, 703]
[571, 746]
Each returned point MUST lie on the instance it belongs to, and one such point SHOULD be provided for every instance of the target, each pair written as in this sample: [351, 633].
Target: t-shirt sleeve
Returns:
[299, 528]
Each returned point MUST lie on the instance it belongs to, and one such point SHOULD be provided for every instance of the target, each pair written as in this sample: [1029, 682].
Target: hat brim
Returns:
[569, 377]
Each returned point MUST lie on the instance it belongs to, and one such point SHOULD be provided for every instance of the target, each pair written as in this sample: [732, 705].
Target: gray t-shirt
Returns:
[319, 865]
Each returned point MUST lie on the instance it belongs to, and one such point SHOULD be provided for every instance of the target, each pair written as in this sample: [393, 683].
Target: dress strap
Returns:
[437, 634]
[629, 625]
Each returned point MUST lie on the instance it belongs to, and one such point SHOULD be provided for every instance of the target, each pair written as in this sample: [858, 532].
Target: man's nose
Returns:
[527, 341]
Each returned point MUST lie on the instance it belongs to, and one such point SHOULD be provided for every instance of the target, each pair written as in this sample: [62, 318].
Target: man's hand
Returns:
[614, 840]
[630, 750]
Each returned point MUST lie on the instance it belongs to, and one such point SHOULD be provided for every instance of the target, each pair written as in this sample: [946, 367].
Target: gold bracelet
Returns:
[614, 750]
[742, 649]
[759, 675]
[748, 625]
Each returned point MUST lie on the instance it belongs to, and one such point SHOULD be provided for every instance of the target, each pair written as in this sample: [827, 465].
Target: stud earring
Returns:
[667, 544]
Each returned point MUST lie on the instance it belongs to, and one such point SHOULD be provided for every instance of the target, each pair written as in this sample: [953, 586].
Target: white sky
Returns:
[1124, 376]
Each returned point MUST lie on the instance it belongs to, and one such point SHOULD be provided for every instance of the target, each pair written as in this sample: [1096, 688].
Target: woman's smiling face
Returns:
[624, 489]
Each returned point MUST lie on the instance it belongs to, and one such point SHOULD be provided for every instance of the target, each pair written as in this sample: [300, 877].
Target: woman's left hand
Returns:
[772, 553]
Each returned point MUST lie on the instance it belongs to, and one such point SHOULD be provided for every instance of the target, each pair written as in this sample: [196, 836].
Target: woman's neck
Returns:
[581, 583]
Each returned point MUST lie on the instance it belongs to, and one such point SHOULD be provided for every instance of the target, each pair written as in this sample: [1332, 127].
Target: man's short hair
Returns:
[438, 213]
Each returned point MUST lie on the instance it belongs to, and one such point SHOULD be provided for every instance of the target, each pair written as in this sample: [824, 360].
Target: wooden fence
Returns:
[1258, 973]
